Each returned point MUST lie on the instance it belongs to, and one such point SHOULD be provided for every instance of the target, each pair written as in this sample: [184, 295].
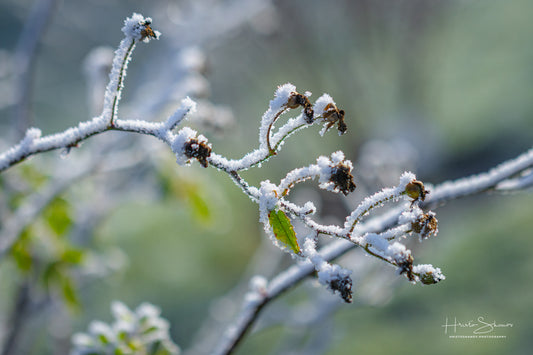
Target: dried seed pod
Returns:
[429, 278]
[415, 189]
[343, 179]
[406, 266]
[344, 286]
[425, 225]
[333, 115]
[296, 100]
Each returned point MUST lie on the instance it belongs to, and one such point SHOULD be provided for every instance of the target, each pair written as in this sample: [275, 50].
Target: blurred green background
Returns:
[453, 79]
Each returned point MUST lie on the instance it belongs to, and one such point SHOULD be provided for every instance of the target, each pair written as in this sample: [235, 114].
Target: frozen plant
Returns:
[276, 210]
[379, 236]
[142, 331]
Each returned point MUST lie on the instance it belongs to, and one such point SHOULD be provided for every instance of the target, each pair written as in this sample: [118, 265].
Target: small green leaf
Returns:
[33, 175]
[283, 230]
[58, 216]
[21, 251]
[68, 290]
[72, 256]
[199, 205]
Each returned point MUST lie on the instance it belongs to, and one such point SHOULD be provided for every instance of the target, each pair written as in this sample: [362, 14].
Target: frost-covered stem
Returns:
[475, 184]
[244, 185]
[359, 213]
[234, 334]
[376, 200]
[34, 144]
[272, 151]
[440, 194]
[117, 91]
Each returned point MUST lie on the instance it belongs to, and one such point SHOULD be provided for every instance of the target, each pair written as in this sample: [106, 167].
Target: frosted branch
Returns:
[440, 194]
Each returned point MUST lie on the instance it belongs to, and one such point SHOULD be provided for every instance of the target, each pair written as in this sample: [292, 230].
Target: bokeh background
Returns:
[442, 88]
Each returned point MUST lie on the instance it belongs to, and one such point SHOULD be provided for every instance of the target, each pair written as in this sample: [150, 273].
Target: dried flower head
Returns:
[296, 100]
[138, 27]
[342, 178]
[425, 225]
[147, 31]
[199, 149]
[333, 115]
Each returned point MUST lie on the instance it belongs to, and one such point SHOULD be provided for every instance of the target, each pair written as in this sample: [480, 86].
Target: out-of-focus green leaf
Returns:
[198, 204]
[51, 275]
[33, 176]
[21, 251]
[283, 230]
[73, 256]
[56, 277]
[187, 190]
[68, 291]
[58, 216]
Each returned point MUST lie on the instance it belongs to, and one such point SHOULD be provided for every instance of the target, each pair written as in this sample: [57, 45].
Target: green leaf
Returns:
[21, 251]
[33, 175]
[198, 205]
[68, 290]
[72, 256]
[58, 216]
[283, 230]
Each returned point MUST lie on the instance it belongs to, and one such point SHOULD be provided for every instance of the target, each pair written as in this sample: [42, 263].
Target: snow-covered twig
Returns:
[504, 177]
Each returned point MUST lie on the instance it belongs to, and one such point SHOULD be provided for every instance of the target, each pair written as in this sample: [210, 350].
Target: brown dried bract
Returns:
[199, 150]
[333, 115]
[343, 179]
[425, 225]
[147, 31]
[296, 100]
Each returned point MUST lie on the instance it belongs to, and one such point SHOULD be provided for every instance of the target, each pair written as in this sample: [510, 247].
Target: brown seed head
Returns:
[296, 100]
[333, 115]
[425, 225]
[343, 179]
